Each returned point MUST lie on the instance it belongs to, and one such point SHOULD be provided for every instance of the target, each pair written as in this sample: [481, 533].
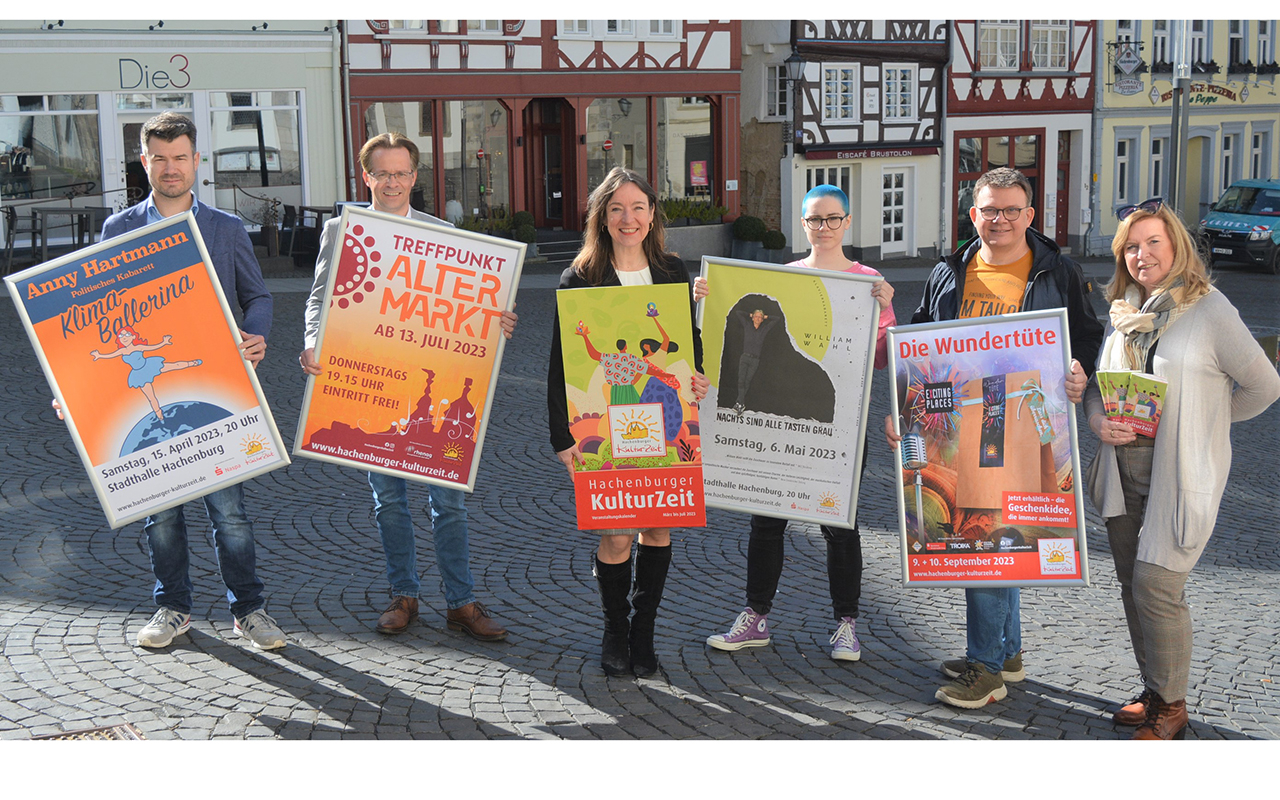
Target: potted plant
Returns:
[775, 246]
[520, 219]
[748, 233]
[529, 235]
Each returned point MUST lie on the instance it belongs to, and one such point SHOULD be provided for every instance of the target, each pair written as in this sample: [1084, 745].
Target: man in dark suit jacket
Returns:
[170, 158]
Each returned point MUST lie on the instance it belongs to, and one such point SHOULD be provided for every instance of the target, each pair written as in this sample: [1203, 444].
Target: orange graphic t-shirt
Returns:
[994, 289]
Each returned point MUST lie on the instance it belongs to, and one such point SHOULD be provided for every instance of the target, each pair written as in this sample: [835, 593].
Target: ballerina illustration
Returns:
[132, 349]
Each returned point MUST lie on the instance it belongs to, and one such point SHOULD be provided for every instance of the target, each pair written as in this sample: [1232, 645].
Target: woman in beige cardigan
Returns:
[1160, 496]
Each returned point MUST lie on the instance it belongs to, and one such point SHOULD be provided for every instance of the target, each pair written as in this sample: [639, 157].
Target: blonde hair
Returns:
[595, 259]
[1187, 263]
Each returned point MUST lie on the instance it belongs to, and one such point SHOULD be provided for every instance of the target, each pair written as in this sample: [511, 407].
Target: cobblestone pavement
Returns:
[73, 593]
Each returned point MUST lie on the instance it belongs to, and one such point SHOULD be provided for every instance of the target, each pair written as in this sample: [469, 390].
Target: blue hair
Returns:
[825, 190]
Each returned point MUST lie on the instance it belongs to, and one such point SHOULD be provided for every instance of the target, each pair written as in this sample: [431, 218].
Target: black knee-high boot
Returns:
[614, 580]
[651, 577]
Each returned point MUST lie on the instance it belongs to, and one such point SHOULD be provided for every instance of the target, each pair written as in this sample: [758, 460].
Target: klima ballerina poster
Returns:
[142, 352]
[989, 476]
[410, 343]
[628, 366]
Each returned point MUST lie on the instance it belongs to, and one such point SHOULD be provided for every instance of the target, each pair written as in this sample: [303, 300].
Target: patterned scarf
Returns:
[1140, 328]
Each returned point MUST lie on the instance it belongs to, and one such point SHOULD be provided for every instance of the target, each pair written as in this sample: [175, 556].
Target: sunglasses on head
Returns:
[1150, 206]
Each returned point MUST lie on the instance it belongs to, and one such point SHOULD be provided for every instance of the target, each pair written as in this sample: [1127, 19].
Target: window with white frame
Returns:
[834, 176]
[1124, 30]
[1049, 43]
[998, 43]
[1235, 42]
[1157, 167]
[776, 94]
[484, 26]
[1123, 170]
[1266, 41]
[408, 24]
[1160, 41]
[662, 27]
[575, 27]
[1230, 159]
[1199, 41]
[900, 92]
[1257, 157]
[840, 92]
[447, 26]
[618, 27]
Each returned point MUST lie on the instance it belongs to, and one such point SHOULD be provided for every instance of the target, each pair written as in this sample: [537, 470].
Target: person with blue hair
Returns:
[825, 211]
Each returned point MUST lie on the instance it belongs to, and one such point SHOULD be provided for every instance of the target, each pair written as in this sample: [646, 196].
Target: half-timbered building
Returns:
[1020, 94]
[867, 117]
[531, 114]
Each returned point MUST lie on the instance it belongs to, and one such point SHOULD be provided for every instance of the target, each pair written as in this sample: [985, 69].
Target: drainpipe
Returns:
[340, 162]
[1095, 152]
[346, 114]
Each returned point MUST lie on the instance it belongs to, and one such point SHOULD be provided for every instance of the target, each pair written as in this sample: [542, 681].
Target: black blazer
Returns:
[673, 271]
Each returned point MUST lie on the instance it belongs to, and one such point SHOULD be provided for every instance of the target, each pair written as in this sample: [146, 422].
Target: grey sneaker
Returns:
[845, 644]
[1011, 672]
[975, 688]
[261, 630]
[164, 625]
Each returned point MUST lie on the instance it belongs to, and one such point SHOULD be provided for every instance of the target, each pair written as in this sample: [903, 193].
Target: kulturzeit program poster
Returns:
[142, 352]
[789, 353]
[628, 365]
[410, 342]
[990, 467]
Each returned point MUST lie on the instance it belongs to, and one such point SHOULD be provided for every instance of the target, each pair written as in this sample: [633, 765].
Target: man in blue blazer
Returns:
[170, 158]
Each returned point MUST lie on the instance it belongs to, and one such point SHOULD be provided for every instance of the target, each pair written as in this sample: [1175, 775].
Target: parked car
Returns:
[1244, 225]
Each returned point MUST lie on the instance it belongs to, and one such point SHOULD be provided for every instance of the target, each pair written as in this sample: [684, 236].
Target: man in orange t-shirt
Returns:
[1010, 267]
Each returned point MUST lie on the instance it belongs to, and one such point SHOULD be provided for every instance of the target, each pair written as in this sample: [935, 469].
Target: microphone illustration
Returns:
[916, 457]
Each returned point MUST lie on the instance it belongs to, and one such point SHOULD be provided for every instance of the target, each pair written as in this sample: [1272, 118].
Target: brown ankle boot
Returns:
[1135, 711]
[1164, 720]
[398, 616]
[474, 620]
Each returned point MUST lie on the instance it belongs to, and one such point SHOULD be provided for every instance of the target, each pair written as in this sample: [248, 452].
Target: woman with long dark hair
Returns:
[623, 245]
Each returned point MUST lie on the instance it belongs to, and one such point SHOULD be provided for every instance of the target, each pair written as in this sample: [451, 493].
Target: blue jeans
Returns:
[232, 542]
[993, 623]
[449, 529]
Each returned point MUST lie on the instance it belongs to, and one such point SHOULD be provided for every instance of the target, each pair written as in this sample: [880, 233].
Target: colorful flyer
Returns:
[628, 366]
[142, 352]
[789, 352]
[410, 342]
[990, 463]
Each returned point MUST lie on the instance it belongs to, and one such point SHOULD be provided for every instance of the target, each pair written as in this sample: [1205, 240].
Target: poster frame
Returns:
[860, 442]
[227, 323]
[350, 213]
[1080, 535]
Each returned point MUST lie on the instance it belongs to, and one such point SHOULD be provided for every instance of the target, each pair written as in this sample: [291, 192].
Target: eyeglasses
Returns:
[1011, 213]
[1150, 206]
[383, 176]
[815, 223]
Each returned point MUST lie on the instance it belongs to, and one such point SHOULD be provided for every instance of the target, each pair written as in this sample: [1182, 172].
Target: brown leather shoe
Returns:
[475, 621]
[1135, 711]
[396, 619]
[1164, 720]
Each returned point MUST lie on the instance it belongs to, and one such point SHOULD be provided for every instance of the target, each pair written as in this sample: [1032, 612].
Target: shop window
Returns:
[475, 187]
[622, 123]
[49, 146]
[255, 147]
[977, 154]
[685, 165]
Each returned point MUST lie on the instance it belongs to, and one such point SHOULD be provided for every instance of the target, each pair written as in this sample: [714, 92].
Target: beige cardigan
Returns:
[1201, 354]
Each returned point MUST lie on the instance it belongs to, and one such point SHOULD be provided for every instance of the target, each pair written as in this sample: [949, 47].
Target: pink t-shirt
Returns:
[887, 319]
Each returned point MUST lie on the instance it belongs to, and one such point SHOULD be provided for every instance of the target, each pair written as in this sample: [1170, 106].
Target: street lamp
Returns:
[794, 65]
[624, 105]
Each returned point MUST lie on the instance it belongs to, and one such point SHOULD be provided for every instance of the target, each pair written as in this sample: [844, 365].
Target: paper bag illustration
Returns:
[1005, 440]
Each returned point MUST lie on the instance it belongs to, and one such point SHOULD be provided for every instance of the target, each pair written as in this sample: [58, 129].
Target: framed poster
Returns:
[410, 342]
[990, 463]
[628, 366]
[789, 352]
[142, 352]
